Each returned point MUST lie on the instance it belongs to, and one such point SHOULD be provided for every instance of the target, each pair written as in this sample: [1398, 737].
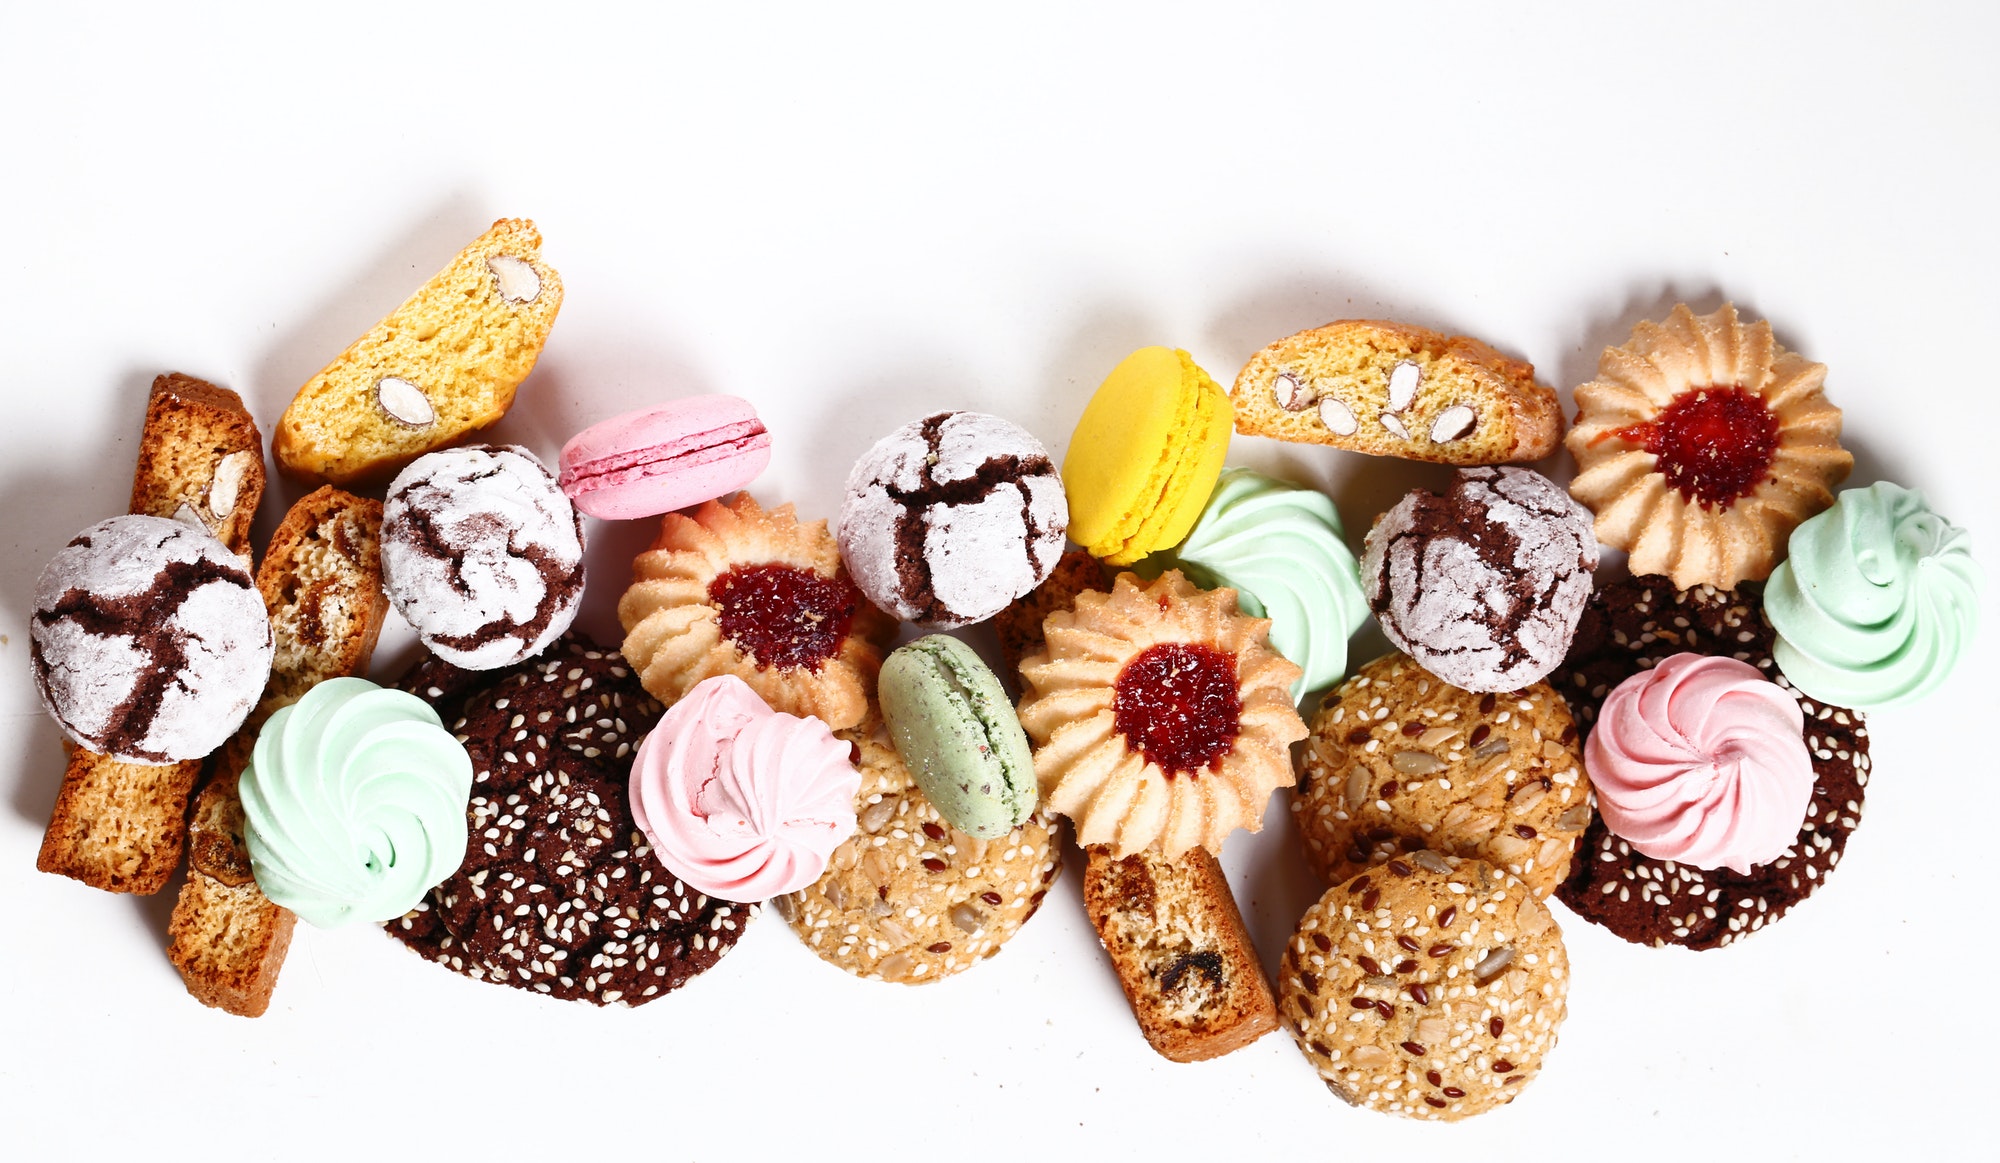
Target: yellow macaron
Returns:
[1145, 455]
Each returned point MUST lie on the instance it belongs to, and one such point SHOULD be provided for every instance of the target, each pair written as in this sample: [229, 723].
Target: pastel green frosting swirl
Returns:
[1875, 601]
[1279, 547]
[354, 803]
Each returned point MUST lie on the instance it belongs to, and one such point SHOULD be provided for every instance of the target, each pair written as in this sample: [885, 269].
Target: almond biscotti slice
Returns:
[1183, 957]
[322, 582]
[120, 826]
[441, 365]
[1390, 389]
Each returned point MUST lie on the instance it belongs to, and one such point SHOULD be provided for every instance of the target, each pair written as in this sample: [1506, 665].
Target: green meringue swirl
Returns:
[1875, 601]
[1280, 548]
[354, 803]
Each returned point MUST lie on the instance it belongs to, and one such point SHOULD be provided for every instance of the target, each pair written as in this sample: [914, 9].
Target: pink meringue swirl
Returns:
[1700, 760]
[739, 801]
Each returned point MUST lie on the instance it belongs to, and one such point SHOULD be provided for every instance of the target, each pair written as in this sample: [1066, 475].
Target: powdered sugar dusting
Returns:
[1484, 585]
[951, 517]
[483, 554]
[150, 641]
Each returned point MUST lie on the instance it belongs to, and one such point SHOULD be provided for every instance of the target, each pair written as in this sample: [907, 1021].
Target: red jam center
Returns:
[1714, 444]
[783, 616]
[1176, 704]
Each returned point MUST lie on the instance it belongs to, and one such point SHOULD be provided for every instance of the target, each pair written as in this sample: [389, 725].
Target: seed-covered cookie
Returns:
[1430, 987]
[909, 898]
[559, 892]
[1400, 760]
[1631, 626]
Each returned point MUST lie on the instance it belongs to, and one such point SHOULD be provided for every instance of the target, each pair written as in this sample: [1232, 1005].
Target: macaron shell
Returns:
[1199, 444]
[1145, 455]
[663, 458]
[958, 734]
[650, 488]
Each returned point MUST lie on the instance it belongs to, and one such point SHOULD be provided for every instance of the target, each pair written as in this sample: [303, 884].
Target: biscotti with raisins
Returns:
[1184, 959]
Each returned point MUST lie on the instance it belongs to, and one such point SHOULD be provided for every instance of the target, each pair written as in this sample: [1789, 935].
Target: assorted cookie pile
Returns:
[1679, 755]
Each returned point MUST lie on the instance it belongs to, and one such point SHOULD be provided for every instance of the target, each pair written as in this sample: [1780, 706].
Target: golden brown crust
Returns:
[1111, 789]
[1184, 959]
[1470, 404]
[322, 583]
[1400, 760]
[120, 826]
[462, 342]
[673, 626]
[192, 426]
[1639, 510]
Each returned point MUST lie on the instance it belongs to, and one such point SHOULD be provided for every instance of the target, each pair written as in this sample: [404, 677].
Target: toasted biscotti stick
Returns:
[1390, 389]
[1183, 957]
[441, 365]
[322, 582]
[120, 826]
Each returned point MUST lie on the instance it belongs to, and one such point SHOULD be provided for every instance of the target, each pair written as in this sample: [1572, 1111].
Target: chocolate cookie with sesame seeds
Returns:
[559, 892]
[908, 898]
[1631, 626]
[1399, 760]
[1430, 987]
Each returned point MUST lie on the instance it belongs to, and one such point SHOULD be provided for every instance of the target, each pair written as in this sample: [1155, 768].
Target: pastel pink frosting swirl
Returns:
[1702, 761]
[739, 801]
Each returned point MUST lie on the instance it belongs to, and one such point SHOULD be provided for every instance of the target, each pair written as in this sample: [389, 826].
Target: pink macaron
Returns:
[660, 459]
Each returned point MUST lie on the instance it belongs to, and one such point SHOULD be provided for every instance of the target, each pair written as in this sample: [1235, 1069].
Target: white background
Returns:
[853, 216]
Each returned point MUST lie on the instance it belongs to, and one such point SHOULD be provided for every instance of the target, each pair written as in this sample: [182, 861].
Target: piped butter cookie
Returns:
[1430, 987]
[729, 588]
[908, 898]
[1161, 718]
[1399, 760]
[1390, 389]
[1702, 444]
[444, 363]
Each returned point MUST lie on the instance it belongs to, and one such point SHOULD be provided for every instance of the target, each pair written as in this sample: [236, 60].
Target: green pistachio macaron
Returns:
[959, 736]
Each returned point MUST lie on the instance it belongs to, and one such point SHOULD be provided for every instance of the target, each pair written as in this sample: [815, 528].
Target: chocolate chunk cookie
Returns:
[1400, 760]
[1630, 626]
[559, 892]
[1430, 987]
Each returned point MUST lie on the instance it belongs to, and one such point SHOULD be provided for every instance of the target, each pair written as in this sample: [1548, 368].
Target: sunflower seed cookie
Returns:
[1430, 987]
[1400, 760]
[908, 898]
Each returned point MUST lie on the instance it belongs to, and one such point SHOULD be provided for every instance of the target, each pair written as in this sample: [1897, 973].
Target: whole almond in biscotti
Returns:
[1390, 389]
[444, 363]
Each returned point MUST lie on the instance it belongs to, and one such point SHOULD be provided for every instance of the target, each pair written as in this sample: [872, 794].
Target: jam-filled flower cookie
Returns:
[733, 589]
[1162, 719]
[1701, 444]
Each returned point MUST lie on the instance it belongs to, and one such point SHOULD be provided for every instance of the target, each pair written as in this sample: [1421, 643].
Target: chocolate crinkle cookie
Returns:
[1631, 626]
[483, 554]
[1483, 586]
[949, 518]
[559, 892]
